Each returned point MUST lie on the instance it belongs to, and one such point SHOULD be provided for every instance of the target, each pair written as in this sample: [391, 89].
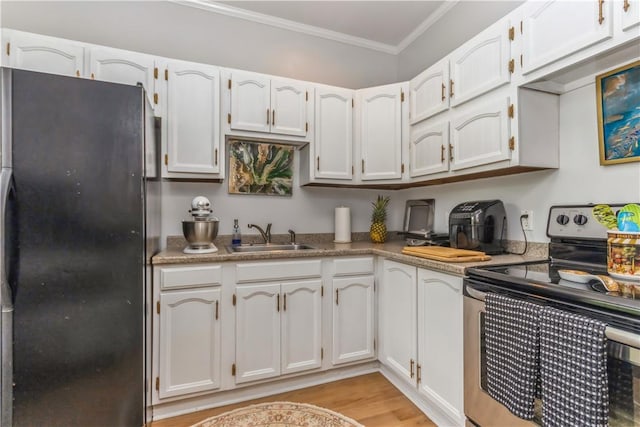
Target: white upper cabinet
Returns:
[260, 104]
[555, 29]
[41, 53]
[481, 64]
[429, 148]
[192, 119]
[630, 10]
[380, 114]
[333, 143]
[429, 92]
[289, 108]
[481, 135]
[121, 66]
[250, 102]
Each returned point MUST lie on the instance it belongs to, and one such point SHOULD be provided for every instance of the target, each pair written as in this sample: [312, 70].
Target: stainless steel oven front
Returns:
[623, 366]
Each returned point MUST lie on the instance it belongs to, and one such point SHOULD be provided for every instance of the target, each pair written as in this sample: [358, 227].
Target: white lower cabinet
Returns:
[278, 329]
[420, 324]
[187, 343]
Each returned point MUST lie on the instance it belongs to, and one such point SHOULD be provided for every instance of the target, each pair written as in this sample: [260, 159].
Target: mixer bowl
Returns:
[200, 234]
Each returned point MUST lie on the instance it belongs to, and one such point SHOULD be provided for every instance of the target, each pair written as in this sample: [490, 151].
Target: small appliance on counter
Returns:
[202, 230]
[418, 224]
[480, 225]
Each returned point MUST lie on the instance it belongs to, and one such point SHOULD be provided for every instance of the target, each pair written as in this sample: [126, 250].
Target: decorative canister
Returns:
[623, 254]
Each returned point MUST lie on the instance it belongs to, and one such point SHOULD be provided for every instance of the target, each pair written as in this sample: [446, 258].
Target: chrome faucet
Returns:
[292, 237]
[266, 235]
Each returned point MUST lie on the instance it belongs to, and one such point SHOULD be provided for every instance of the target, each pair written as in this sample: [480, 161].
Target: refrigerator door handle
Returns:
[6, 305]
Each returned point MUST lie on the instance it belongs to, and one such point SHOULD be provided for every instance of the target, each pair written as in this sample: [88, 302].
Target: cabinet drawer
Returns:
[281, 270]
[189, 277]
[351, 266]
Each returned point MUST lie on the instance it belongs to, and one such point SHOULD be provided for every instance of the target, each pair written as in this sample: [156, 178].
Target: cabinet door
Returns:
[429, 148]
[630, 13]
[481, 64]
[481, 136]
[353, 319]
[555, 29]
[250, 102]
[45, 54]
[334, 133]
[380, 132]
[257, 332]
[189, 342]
[289, 108]
[428, 93]
[121, 66]
[397, 319]
[193, 119]
[440, 345]
[301, 326]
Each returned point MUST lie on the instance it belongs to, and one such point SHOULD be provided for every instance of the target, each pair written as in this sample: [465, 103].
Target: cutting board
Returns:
[439, 253]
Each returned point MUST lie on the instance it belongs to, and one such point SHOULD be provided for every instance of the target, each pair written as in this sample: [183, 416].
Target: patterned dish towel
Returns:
[512, 340]
[573, 368]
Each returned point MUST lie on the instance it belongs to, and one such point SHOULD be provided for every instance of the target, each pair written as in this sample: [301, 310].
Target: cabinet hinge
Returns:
[229, 118]
[155, 73]
[233, 369]
[512, 66]
[166, 74]
[158, 383]
[306, 127]
[158, 307]
[512, 33]
[306, 96]
[321, 353]
[229, 84]
[166, 160]
[8, 49]
[234, 301]
[321, 291]
[401, 96]
[402, 168]
[155, 98]
[512, 143]
[511, 111]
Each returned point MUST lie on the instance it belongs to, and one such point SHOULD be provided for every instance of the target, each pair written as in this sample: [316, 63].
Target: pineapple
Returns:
[378, 231]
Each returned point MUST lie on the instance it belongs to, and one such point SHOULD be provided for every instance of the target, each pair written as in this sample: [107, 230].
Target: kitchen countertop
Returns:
[391, 250]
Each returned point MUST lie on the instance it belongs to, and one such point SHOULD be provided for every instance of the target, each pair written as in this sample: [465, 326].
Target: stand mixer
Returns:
[202, 230]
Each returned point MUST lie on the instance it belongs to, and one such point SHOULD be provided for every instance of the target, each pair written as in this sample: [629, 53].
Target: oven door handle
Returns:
[614, 334]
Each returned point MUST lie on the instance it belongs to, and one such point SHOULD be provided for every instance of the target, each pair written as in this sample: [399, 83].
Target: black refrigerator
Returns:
[80, 221]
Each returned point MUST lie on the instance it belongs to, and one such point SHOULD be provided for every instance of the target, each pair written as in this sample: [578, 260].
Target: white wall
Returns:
[181, 32]
[580, 178]
[463, 21]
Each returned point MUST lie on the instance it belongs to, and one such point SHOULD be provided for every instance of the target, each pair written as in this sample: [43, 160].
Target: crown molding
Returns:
[286, 24]
[426, 24]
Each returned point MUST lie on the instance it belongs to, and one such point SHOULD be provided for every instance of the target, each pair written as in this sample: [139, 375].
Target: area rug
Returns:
[279, 414]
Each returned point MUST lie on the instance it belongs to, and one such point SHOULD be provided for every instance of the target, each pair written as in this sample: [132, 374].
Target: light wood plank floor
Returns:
[369, 399]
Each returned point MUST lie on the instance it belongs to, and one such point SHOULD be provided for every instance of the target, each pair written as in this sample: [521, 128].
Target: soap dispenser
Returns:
[236, 237]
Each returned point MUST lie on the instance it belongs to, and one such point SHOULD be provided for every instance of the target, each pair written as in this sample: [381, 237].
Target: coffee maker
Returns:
[480, 225]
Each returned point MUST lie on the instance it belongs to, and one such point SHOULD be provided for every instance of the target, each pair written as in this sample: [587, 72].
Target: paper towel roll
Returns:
[343, 225]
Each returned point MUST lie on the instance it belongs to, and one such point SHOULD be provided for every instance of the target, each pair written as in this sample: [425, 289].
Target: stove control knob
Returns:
[562, 219]
[580, 219]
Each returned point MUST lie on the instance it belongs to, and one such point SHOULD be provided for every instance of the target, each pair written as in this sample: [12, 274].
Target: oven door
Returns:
[623, 368]
[479, 407]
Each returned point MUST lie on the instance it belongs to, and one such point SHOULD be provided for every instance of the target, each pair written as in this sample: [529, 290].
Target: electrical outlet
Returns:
[527, 222]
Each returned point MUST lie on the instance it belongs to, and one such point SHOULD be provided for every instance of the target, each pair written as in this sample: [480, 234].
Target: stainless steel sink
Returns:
[268, 247]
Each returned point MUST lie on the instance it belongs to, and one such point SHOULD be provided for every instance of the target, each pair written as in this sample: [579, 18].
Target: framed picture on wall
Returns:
[260, 168]
[618, 96]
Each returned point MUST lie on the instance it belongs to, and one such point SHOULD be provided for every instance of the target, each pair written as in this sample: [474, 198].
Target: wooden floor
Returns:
[369, 399]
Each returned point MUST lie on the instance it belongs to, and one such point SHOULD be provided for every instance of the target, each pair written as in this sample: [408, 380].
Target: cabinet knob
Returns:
[268, 116]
